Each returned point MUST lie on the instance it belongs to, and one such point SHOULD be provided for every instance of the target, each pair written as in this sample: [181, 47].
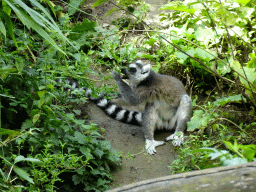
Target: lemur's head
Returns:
[137, 72]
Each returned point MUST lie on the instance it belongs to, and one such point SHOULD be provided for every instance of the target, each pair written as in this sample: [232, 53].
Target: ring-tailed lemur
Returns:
[167, 103]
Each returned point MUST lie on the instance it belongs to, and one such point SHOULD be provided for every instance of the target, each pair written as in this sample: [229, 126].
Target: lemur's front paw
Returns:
[116, 75]
[178, 138]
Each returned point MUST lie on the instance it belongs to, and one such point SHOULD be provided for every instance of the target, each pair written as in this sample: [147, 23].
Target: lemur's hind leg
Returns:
[183, 114]
[148, 125]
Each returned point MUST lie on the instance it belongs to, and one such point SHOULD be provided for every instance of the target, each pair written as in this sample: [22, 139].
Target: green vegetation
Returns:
[46, 143]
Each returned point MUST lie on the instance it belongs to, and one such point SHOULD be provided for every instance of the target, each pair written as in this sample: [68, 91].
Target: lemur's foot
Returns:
[151, 145]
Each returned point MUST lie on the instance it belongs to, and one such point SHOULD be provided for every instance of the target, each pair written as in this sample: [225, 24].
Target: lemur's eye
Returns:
[132, 69]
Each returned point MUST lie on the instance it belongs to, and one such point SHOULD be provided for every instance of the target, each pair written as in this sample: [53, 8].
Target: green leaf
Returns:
[87, 152]
[252, 62]
[83, 27]
[212, 152]
[248, 151]
[244, 2]
[95, 172]
[232, 147]
[181, 8]
[35, 118]
[106, 145]
[250, 75]
[54, 27]
[131, 9]
[6, 161]
[199, 120]
[19, 64]
[18, 159]
[98, 152]
[150, 42]
[8, 25]
[78, 112]
[97, 3]
[9, 132]
[27, 124]
[41, 93]
[223, 101]
[50, 4]
[80, 138]
[6, 70]
[101, 182]
[23, 174]
[111, 11]
[2, 28]
[223, 68]
[41, 102]
[74, 6]
[21, 158]
[26, 20]
[6, 8]
[77, 179]
[234, 161]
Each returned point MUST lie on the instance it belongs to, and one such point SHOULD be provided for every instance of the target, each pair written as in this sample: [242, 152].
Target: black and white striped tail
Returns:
[110, 108]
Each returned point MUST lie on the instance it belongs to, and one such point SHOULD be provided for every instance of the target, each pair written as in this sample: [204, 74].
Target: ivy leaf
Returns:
[80, 29]
[225, 100]
[106, 145]
[78, 112]
[86, 151]
[77, 179]
[95, 172]
[98, 152]
[80, 138]
[199, 120]
[101, 182]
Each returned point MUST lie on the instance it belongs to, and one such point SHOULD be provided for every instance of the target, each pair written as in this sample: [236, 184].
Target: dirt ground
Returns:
[137, 165]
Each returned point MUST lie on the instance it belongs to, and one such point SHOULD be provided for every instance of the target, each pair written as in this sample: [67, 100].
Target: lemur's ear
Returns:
[139, 61]
[146, 68]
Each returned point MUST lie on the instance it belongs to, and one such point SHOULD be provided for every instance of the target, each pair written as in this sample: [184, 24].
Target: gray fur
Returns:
[167, 103]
